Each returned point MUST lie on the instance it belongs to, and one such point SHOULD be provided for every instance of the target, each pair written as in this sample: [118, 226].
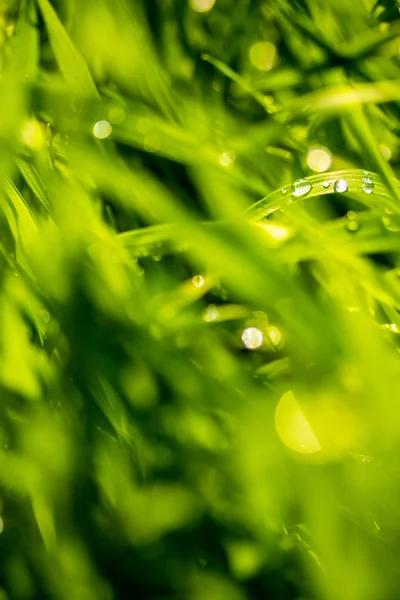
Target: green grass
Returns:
[145, 451]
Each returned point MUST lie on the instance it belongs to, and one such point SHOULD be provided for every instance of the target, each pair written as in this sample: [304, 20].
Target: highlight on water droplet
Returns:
[202, 5]
[198, 281]
[341, 186]
[102, 129]
[367, 185]
[319, 159]
[33, 134]
[301, 188]
[252, 338]
[263, 55]
[392, 327]
[293, 428]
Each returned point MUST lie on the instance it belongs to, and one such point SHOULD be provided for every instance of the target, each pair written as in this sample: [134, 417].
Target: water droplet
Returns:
[102, 129]
[367, 185]
[326, 184]
[211, 313]
[301, 188]
[252, 338]
[341, 186]
[285, 190]
[392, 327]
[198, 281]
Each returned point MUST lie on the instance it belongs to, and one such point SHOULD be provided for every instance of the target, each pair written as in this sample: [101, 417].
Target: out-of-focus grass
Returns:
[199, 364]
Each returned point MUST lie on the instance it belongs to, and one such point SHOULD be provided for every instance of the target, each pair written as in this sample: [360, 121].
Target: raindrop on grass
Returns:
[211, 313]
[367, 185]
[392, 327]
[341, 186]
[326, 184]
[252, 338]
[198, 281]
[301, 188]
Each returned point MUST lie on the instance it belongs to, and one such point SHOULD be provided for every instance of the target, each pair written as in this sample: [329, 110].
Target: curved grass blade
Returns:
[325, 184]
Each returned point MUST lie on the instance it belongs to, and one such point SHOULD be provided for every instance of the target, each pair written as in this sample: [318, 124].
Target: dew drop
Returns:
[252, 338]
[285, 190]
[198, 281]
[341, 186]
[367, 185]
[301, 188]
[392, 327]
[326, 184]
[211, 313]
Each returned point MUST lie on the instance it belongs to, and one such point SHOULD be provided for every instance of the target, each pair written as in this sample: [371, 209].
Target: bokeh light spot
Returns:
[293, 428]
[33, 134]
[102, 129]
[202, 5]
[274, 335]
[252, 338]
[319, 159]
[263, 55]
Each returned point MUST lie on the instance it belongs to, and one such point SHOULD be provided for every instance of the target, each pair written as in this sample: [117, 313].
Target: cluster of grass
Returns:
[199, 336]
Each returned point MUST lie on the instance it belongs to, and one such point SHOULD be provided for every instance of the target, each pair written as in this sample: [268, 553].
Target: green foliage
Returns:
[199, 336]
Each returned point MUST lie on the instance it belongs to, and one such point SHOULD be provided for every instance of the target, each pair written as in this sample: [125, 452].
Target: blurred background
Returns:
[199, 300]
